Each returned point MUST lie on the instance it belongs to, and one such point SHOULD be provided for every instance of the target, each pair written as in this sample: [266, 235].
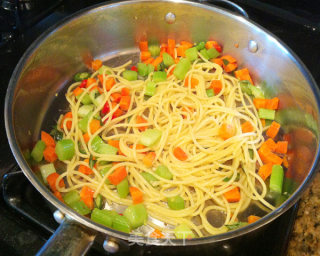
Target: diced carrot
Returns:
[265, 171]
[85, 169]
[94, 125]
[180, 154]
[86, 195]
[96, 88]
[232, 195]
[58, 195]
[141, 120]
[90, 81]
[125, 102]
[96, 64]
[181, 50]
[69, 123]
[145, 55]
[157, 234]
[213, 44]
[253, 218]
[76, 92]
[216, 85]
[148, 61]
[267, 156]
[163, 48]
[271, 144]
[149, 158]
[125, 91]
[117, 113]
[194, 82]
[273, 130]
[114, 143]
[136, 195]
[171, 72]
[272, 103]
[218, 61]
[116, 97]
[156, 62]
[263, 122]
[230, 67]
[143, 45]
[282, 147]
[49, 154]
[186, 44]
[110, 82]
[246, 127]
[176, 61]
[259, 103]
[118, 175]
[47, 139]
[171, 43]
[138, 147]
[52, 179]
[86, 137]
[226, 131]
[243, 74]
[229, 59]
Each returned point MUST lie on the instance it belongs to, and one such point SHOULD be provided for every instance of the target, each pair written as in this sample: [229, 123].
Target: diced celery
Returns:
[121, 223]
[159, 76]
[103, 217]
[204, 54]
[103, 69]
[212, 53]
[245, 87]
[80, 207]
[142, 69]
[267, 113]
[150, 88]
[256, 92]
[182, 68]
[98, 101]
[81, 76]
[83, 124]
[167, 59]
[150, 137]
[164, 172]
[150, 68]
[136, 214]
[46, 170]
[154, 50]
[94, 93]
[71, 197]
[123, 188]
[103, 173]
[107, 149]
[183, 232]
[210, 92]
[98, 201]
[86, 99]
[130, 75]
[37, 151]
[276, 179]
[192, 54]
[236, 225]
[149, 177]
[96, 142]
[85, 110]
[176, 203]
[65, 149]
[200, 46]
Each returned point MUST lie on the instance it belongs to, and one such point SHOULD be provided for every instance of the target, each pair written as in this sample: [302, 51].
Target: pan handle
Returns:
[227, 3]
[71, 238]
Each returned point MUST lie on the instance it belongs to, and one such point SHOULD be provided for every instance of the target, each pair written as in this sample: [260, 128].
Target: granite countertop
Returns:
[305, 239]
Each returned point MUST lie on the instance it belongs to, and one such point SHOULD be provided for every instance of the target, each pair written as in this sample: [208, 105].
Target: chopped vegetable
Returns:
[176, 203]
[159, 76]
[90, 81]
[157, 234]
[204, 54]
[118, 175]
[71, 197]
[226, 131]
[180, 154]
[243, 74]
[157, 61]
[136, 214]
[123, 188]
[167, 59]
[191, 54]
[210, 92]
[150, 88]
[125, 103]
[46, 170]
[164, 172]
[253, 218]
[273, 130]
[98, 201]
[265, 171]
[86, 195]
[271, 144]
[200, 46]
[81, 76]
[236, 225]
[104, 69]
[143, 45]
[136, 195]
[182, 68]
[183, 232]
[246, 127]
[121, 223]
[130, 75]
[154, 50]
[150, 137]
[232, 195]
[94, 126]
[47, 139]
[267, 156]
[282, 147]
[103, 217]
[49, 154]
[68, 123]
[142, 69]
[96, 64]
[85, 169]
[65, 149]
[272, 103]
[213, 44]
[85, 110]
[276, 179]
[141, 120]
[149, 177]
[148, 159]
[266, 113]
[216, 85]
[80, 207]
[144, 55]
[194, 82]
[212, 53]
[37, 151]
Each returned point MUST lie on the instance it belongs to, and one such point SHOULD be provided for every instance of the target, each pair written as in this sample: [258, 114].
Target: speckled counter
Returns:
[305, 239]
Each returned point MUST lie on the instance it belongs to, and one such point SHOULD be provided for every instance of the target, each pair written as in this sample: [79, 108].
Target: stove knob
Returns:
[58, 216]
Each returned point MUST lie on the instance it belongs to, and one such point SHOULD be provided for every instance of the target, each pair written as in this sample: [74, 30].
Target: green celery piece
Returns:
[176, 203]
[81, 76]
[107, 149]
[182, 68]
[150, 88]
[85, 110]
[136, 214]
[150, 137]
[164, 172]
[123, 188]
[142, 69]
[98, 201]
[210, 92]
[71, 197]
[104, 68]
[192, 54]
[161, 67]
[245, 87]
[86, 100]
[37, 151]
[46, 170]
[236, 225]
[149, 177]
[80, 207]
[204, 54]
[159, 76]
[94, 93]
[167, 59]
[200, 46]
[266, 113]
[103, 217]
[268, 122]
[103, 173]
[154, 50]
[83, 123]
[150, 68]
[121, 223]
[182, 231]
[212, 53]
[65, 149]
[98, 100]
[130, 75]
[256, 92]
[96, 142]
[276, 179]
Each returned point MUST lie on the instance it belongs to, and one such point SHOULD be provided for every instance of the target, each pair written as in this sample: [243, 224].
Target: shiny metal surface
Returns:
[58, 216]
[110, 246]
[114, 30]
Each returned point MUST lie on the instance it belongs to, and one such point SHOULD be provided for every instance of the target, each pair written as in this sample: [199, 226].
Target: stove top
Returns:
[26, 220]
